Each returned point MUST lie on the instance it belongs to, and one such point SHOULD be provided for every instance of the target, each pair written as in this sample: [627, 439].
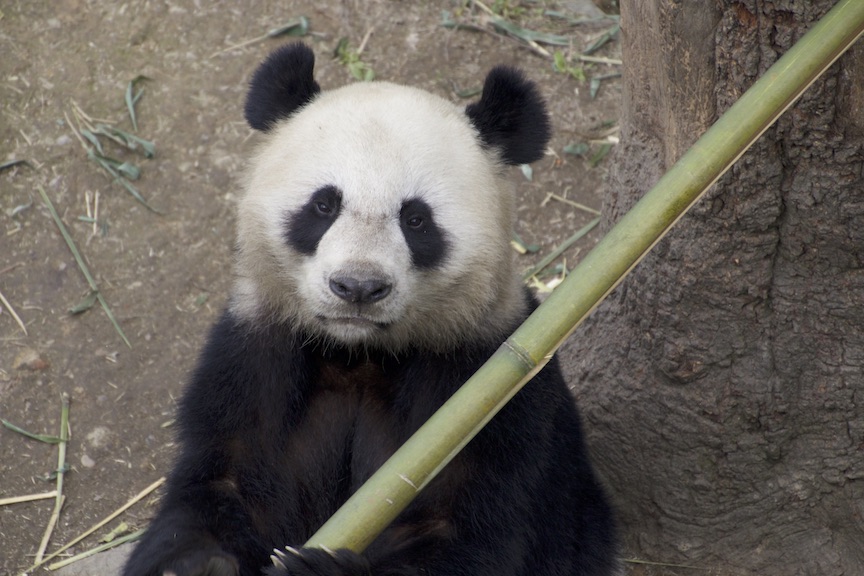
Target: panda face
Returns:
[377, 215]
[374, 216]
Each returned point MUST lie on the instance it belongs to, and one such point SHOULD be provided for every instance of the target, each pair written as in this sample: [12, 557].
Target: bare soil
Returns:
[166, 275]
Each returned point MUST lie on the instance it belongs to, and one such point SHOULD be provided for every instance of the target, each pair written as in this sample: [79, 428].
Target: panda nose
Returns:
[360, 291]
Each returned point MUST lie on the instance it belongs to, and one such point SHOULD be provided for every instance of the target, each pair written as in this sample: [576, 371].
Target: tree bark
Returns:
[722, 384]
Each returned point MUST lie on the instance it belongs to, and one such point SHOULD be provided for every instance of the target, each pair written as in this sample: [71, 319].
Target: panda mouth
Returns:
[359, 321]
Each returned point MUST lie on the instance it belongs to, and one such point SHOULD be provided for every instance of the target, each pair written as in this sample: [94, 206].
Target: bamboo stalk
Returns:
[81, 265]
[395, 484]
[61, 472]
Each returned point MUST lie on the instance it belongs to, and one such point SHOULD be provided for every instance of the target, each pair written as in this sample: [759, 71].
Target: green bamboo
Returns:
[396, 483]
[82, 265]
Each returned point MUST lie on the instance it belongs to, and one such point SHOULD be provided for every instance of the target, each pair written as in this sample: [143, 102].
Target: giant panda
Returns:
[373, 276]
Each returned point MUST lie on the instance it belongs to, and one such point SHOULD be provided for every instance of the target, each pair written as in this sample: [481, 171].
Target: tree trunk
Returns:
[723, 383]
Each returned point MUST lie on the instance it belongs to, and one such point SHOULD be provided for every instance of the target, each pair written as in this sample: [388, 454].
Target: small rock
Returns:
[30, 359]
[87, 462]
[103, 564]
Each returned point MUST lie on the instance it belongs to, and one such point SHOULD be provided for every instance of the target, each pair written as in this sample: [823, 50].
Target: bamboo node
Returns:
[521, 354]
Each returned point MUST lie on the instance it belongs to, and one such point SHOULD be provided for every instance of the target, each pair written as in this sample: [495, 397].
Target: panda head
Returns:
[379, 216]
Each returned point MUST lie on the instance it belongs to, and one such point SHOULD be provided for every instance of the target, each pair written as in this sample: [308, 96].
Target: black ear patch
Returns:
[281, 84]
[511, 116]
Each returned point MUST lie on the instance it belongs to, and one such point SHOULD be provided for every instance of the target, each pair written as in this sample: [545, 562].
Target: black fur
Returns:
[281, 84]
[511, 117]
[426, 241]
[276, 433]
[305, 228]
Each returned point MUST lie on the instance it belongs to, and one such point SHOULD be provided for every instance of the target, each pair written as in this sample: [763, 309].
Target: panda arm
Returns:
[206, 523]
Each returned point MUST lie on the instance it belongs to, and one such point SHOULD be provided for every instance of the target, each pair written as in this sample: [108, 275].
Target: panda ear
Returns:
[281, 84]
[511, 116]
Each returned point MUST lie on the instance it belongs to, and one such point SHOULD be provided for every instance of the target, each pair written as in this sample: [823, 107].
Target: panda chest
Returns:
[351, 418]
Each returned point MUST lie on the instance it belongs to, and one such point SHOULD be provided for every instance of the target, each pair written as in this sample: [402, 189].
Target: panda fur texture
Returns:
[373, 277]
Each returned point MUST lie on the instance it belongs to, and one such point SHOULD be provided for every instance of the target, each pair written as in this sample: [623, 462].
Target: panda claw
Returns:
[277, 562]
[328, 551]
[279, 554]
[293, 551]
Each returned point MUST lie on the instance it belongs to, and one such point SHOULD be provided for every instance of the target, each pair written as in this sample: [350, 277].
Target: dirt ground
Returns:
[166, 275]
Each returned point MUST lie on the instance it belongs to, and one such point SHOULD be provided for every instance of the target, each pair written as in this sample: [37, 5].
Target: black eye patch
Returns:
[306, 227]
[426, 241]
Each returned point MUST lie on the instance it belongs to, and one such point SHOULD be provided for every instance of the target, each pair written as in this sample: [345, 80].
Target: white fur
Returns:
[380, 144]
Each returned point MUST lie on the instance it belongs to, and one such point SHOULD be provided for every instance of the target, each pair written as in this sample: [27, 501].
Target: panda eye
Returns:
[426, 241]
[325, 203]
[323, 208]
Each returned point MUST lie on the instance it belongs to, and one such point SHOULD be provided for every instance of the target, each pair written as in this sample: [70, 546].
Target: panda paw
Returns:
[317, 562]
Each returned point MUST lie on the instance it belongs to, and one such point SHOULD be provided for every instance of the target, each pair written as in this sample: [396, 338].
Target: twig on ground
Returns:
[560, 249]
[107, 546]
[11, 267]
[553, 196]
[109, 518]
[297, 27]
[14, 314]
[27, 498]
[600, 60]
[364, 41]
